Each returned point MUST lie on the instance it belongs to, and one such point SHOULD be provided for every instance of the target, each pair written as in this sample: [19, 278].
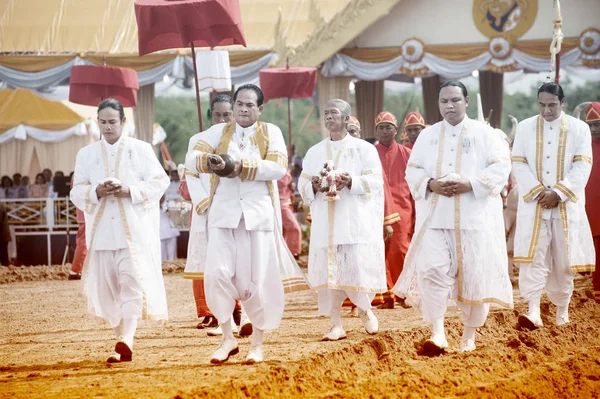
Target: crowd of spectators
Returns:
[20, 187]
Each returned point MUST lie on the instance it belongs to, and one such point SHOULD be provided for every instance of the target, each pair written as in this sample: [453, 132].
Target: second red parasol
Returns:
[289, 82]
[90, 84]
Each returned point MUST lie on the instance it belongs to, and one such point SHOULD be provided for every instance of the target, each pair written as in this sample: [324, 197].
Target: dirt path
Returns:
[50, 347]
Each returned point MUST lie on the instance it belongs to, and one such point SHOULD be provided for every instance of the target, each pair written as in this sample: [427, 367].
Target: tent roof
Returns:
[21, 106]
[109, 26]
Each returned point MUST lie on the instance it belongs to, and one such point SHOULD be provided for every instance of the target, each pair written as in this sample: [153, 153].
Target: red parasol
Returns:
[90, 84]
[289, 82]
[165, 24]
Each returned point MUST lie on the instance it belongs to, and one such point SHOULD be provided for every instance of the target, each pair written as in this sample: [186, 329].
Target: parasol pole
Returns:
[103, 64]
[557, 39]
[290, 155]
[197, 88]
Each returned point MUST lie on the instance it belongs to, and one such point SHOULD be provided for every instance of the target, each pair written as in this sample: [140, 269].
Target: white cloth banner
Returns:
[37, 80]
[584, 73]
[543, 64]
[54, 76]
[45, 82]
[455, 69]
[343, 65]
[247, 73]
[214, 72]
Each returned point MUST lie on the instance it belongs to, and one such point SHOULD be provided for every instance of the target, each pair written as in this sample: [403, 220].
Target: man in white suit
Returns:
[243, 257]
[552, 161]
[118, 183]
[455, 172]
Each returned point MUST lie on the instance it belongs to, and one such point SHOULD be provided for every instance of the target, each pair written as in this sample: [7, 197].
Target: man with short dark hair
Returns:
[18, 190]
[456, 171]
[552, 160]
[244, 255]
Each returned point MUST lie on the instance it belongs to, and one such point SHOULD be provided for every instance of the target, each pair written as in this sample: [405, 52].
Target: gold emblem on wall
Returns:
[504, 17]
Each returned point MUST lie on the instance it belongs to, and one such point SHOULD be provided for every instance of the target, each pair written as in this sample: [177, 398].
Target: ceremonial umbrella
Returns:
[166, 24]
[288, 82]
[90, 84]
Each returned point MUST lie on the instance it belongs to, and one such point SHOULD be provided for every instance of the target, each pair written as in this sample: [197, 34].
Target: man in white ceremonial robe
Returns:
[552, 161]
[198, 186]
[118, 183]
[245, 251]
[456, 172]
[347, 253]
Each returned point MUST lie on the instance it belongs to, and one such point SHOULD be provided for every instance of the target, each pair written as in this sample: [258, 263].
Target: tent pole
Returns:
[197, 89]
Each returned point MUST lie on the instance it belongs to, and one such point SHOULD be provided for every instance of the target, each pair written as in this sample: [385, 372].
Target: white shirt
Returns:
[110, 234]
[248, 198]
[484, 161]
[549, 162]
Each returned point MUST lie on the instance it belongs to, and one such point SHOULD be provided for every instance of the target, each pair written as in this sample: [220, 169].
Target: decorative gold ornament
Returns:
[589, 41]
[413, 50]
[500, 48]
[504, 17]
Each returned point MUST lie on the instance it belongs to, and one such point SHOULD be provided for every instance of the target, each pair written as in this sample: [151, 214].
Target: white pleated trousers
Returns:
[550, 269]
[330, 300]
[244, 265]
[437, 273]
[113, 289]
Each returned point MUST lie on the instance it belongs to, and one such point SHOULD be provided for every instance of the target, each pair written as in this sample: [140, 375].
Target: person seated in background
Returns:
[48, 178]
[6, 185]
[40, 188]
[26, 183]
[168, 233]
[18, 190]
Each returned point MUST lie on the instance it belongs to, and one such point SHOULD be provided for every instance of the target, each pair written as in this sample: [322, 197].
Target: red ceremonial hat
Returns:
[413, 118]
[592, 113]
[354, 121]
[386, 117]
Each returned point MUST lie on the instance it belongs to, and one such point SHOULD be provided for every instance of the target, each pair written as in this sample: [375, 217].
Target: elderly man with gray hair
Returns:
[342, 183]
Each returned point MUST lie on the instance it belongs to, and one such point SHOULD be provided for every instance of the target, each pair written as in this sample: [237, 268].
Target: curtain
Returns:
[144, 113]
[431, 85]
[491, 86]
[31, 156]
[369, 102]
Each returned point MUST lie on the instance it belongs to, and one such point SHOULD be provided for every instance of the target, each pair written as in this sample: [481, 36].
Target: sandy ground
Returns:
[50, 347]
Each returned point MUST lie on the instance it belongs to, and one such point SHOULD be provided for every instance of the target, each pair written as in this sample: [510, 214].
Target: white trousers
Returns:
[437, 273]
[330, 300]
[244, 265]
[113, 289]
[550, 269]
[168, 249]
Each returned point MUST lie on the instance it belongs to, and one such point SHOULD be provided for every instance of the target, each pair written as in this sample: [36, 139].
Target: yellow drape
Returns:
[21, 106]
